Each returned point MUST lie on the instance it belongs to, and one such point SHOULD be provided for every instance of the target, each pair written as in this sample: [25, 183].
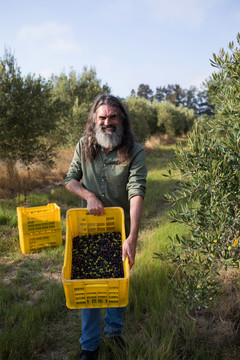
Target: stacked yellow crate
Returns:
[39, 227]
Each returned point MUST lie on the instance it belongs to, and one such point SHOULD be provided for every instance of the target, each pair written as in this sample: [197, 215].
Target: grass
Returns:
[34, 321]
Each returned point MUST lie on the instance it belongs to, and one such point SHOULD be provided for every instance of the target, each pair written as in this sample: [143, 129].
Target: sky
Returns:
[127, 42]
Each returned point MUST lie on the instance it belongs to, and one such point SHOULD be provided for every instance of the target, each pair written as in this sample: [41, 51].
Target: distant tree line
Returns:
[191, 98]
[148, 118]
[37, 115]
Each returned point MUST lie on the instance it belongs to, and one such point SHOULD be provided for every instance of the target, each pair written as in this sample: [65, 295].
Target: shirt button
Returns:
[102, 180]
[102, 195]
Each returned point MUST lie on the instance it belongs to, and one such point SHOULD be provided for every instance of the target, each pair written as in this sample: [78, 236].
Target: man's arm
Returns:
[94, 205]
[129, 245]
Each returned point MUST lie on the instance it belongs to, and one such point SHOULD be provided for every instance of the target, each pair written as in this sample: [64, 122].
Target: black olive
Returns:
[97, 256]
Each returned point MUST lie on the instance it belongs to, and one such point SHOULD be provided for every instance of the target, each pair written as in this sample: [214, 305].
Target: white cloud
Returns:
[50, 48]
[51, 36]
[65, 45]
[38, 32]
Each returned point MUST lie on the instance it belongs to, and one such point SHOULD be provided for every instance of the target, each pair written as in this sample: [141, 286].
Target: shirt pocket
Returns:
[117, 175]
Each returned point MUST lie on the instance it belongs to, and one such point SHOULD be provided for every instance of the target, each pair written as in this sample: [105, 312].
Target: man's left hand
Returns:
[129, 249]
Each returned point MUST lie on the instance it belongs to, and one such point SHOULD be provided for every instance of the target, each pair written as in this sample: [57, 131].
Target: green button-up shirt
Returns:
[112, 183]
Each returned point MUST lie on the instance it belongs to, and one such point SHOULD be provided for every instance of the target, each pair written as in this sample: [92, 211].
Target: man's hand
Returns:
[129, 245]
[94, 205]
[129, 249]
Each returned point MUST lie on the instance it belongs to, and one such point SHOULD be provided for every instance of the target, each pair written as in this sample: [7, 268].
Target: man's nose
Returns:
[107, 121]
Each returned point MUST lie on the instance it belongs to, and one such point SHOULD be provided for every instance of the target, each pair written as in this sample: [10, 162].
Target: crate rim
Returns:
[98, 216]
[99, 280]
[40, 206]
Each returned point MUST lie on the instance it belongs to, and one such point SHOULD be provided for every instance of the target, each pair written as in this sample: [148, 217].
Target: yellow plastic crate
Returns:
[39, 227]
[39, 219]
[94, 293]
[30, 243]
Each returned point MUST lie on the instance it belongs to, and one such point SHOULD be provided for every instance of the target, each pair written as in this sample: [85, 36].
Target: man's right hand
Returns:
[94, 205]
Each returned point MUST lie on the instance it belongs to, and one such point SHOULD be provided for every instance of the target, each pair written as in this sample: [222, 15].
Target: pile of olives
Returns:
[97, 256]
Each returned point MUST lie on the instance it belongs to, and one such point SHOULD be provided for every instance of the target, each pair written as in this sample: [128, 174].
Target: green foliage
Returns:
[76, 93]
[210, 167]
[192, 98]
[144, 91]
[143, 117]
[172, 93]
[27, 114]
[174, 120]
[149, 117]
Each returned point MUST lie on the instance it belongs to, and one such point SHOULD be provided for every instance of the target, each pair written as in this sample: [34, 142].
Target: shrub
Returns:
[210, 167]
[173, 120]
[143, 117]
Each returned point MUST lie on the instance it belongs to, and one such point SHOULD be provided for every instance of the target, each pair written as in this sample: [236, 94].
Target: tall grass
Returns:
[34, 321]
[21, 180]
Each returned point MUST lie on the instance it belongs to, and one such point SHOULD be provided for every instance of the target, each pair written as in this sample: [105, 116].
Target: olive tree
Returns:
[174, 120]
[143, 117]
[76, 93]
[210, 166]
[27, 115]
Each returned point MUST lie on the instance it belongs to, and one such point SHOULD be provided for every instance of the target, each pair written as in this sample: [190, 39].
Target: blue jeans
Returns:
[91, 326]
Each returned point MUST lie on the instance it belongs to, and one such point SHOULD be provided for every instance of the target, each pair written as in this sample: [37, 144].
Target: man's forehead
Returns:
[106, 110]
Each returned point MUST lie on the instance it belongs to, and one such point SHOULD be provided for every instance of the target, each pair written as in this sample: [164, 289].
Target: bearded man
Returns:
[108, 169]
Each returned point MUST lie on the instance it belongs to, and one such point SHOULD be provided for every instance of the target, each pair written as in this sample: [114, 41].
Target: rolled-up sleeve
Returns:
[137, 174]
[75, 168]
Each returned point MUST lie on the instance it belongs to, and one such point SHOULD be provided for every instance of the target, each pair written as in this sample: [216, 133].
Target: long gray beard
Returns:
[109, 140]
